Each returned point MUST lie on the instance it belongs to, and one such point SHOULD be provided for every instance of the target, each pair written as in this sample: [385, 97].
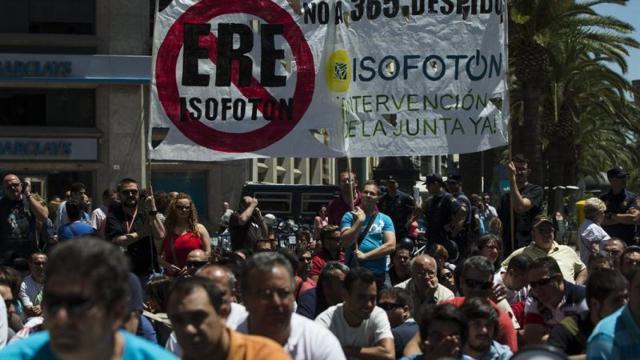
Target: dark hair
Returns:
[12, 278]
[328, 230]
[483, 240]
[158, 289]
[479, 308]
[441, 312]
[402, 296]
[603, 283]
[74, 209]
[77, 187]
[125, 181]
[107, 193]
[162, 201]
[548, 263]
[476, 264]
[100, 263]
[325, 275]
[185, 286]
[264, 262]
[374, 183]
[519, 262]
[520, 158]
[363, 274]
[598, 257]
[629, 250]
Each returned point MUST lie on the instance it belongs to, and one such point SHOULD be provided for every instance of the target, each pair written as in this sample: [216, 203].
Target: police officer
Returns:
[623, 209]
[445, 217]
[398, 205]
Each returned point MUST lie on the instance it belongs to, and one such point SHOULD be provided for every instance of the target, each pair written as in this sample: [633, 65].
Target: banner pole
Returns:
[351, 193]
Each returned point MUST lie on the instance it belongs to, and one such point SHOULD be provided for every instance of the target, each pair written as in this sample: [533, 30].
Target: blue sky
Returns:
[629, 13]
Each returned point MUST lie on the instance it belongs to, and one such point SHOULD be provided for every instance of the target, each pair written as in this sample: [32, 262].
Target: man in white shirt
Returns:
[31, 287]
[514, 279]
[362, 328]
[99, 215]
[268, 285]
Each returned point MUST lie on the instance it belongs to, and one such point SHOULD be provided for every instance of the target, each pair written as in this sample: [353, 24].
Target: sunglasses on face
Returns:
[541, 282]
[196, 264]
[183, 207]
[305, 258]
[129, 192]
[478, 285]
[74, 306]
[386, 306]
[11, 186]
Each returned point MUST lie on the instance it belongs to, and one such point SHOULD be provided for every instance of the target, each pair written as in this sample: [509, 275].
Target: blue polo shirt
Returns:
[37, 347]
[615, 337]
[372, 240]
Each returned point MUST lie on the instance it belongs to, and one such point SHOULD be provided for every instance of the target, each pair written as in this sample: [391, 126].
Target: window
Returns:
[193, 183]
[48, 17]
[311, 203]
[277, 203]
[47, 107]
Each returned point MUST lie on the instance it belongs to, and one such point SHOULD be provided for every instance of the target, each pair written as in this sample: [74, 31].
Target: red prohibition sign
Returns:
[167, 86]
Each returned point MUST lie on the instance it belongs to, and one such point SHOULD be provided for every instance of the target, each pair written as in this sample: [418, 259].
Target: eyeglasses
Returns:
[129, 192]
[386, 306]
[183, 207]
[196, 264]
[542, 282]
[74, 306]
[478, 285]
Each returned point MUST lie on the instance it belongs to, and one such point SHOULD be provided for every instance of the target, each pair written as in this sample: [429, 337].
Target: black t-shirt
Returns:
[620, 204]
[17, 228]
[141, 253]
[399, 208]
[243, 236]
[571, 334]
[523, 222]
[439, 210]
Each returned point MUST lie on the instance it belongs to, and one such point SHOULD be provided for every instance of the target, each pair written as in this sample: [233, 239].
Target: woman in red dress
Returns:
[184, 234]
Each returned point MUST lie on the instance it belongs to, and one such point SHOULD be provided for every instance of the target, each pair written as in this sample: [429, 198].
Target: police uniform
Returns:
[620, 204]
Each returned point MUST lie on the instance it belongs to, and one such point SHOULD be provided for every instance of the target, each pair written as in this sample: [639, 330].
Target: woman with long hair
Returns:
[184, 234]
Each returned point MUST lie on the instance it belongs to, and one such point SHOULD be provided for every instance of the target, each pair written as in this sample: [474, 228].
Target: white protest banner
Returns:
[239, 79]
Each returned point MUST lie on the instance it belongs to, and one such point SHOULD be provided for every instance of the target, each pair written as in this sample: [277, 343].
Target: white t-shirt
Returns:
[29, 290]
[589, 233]
[308, 340]
[4, 324]
[512, 296]
[237, 315]
[367, 334]
[99, 219]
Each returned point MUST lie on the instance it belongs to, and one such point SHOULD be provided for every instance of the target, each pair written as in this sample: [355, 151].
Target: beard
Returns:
[130, 203]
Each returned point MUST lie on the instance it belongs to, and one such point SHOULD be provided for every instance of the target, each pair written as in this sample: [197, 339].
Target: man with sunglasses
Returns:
[614, 248]
[526, 200]
[544, 244]
[196, 259]
[19, 212]
[133, 226]
[551, 299]
[85, 300]
[399, 307]
[331, 250]
[476, 280]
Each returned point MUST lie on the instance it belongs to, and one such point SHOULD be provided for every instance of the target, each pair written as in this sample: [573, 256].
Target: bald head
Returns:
[422, 261]
[12, 187]
[197, 255]
[220, 276]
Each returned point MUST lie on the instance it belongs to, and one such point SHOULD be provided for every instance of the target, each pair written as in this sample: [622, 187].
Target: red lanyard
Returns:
[129, 225]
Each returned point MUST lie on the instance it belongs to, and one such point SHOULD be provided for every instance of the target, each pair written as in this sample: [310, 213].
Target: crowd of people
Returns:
[379, 276]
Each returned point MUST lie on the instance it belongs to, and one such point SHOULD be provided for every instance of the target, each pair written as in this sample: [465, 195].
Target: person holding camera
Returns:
[19, 212]
[247, 226]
